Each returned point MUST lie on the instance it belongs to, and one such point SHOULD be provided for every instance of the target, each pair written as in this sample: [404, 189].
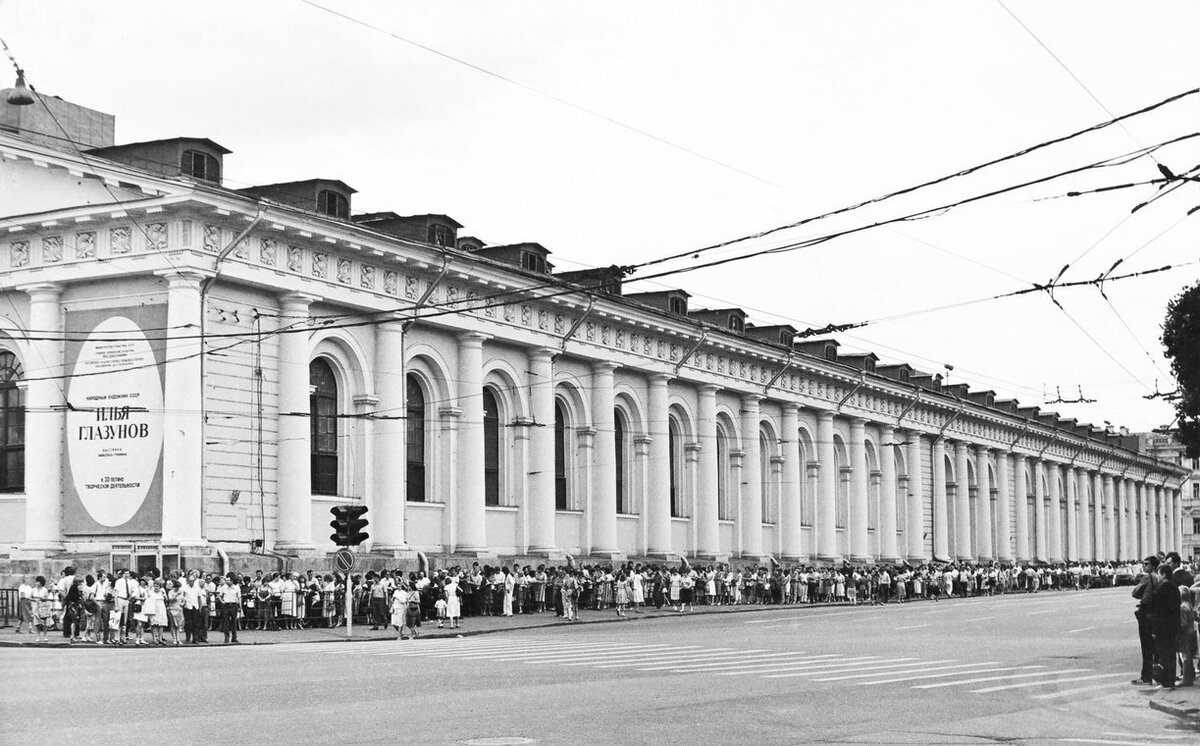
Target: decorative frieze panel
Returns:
[156, 236]
[295, 259]
[212, 239]
[19, 254]
[343, 271]
[119, 240]
[320, 265]
[85, 245]
[268, 251]
[367, 277]
[52, 249]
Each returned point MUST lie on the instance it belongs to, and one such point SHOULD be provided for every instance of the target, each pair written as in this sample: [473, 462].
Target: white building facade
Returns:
[194, 370]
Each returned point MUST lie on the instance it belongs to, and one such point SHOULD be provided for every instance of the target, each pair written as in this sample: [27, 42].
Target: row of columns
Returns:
[1146, 516]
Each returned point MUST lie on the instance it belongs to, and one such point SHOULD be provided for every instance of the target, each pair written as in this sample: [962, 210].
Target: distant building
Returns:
[193, 374]
[1163, 445]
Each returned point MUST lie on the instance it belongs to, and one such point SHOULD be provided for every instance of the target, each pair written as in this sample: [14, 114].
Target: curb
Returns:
[1190, 714]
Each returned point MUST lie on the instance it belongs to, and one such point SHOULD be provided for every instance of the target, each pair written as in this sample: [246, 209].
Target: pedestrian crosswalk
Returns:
[1039, 681]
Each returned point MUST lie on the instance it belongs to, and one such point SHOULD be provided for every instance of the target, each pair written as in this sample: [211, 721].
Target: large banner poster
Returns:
[114, 429]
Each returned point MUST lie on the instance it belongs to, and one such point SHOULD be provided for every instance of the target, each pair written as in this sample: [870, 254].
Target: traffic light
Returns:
[347, 525]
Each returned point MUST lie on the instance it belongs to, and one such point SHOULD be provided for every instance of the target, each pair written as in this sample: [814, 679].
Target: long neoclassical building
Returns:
[190, 370]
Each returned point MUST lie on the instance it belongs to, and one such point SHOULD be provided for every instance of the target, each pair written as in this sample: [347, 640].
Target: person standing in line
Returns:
[229, 600]
[622, 599]
[1185, 642]
[25, 605]
[453, 602]
[638, 586]
[398, 606]
[509, 582]
[175, 609]
[1164, 621]
[43, 609]
[570, 596]
[1144, 593]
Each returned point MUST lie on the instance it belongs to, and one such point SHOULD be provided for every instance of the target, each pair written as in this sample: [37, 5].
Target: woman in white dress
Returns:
[154, 612]
[453, 602]
[638, 581]
[399, 606]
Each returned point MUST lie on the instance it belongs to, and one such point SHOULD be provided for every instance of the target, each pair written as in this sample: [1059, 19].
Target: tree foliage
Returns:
[1181, 340]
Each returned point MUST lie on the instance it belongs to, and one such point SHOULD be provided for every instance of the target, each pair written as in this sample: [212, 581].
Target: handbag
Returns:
[135, 606]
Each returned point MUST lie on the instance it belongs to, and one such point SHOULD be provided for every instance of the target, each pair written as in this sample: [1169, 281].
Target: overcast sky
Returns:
[617, 132]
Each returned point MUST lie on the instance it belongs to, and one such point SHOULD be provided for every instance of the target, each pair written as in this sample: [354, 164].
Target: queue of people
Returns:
[1166, 619]
[181, 608]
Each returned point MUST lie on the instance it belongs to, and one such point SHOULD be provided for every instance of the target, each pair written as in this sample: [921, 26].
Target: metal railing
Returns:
[8, 606]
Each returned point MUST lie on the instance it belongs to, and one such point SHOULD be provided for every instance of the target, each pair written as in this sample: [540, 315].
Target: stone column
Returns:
[1084, 534]
[983, 516]
[1112, 516]
[827, 494]
[1054, 519]
[941, 531]
[1101, 545]
[604, 461]
[658, 497]
[45, 420]
[1072, 497]
[294, 469]
[789, 503]
[471, 511]
[753, 479]
[962, 502]
[860, 548]
[708, 538]
[1021, 507]
[914, 527]
[1143, 517]
[183, 394]
[1160, 506]
[540, 501]
[887, 495]
[1041, 475]
[1004, 497]
[1169, 514]
[390, 452]
[1122, 518]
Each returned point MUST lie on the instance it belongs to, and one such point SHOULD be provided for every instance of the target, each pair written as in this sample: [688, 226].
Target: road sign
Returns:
[344, 559]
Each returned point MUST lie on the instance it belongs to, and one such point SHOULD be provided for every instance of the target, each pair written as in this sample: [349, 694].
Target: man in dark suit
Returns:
[1144, 593]
[1164, 623]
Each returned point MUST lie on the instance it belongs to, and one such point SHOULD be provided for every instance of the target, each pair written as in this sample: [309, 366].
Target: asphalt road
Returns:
[1050, 668]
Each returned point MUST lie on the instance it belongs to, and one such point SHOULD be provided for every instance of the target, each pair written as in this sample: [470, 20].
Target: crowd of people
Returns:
[181, 608]
[1166, 594]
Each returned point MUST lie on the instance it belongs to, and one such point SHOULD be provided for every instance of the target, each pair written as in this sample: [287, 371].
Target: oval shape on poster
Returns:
[115, 423]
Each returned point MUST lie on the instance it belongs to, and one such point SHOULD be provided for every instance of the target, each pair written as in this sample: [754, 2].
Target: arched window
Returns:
[12, 425]
[491, 449]
[764, 473]
[415, 440]
[560, 457]
[842, 494]
[724, 510]
[619, 435]
[323, 424]
[807, 487]
[675, 456]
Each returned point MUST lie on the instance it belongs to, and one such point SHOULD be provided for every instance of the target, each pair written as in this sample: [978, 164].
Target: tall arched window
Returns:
[764, 473]
[842, 494]
[12, 425]
[807, 491]
[415, 440]
[619, 436]
[323, 427]
[724, 510]
[675, 456]
[560, 457]
[491, 449]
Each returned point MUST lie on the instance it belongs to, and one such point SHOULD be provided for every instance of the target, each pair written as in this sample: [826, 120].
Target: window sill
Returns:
[502, 508]
[567, 511]
[424, 504]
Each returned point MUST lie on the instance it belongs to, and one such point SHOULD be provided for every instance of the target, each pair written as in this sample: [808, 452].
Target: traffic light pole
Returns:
[349, 605]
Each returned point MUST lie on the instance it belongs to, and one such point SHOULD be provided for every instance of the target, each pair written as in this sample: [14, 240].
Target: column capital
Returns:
[858, 422]
[42, 290]
[751, 399]
[189, 276]
[708, 389]
[660, 378]
[791, 407]
[825, 415]
[473, 339]
[542, 353]
[604, 366]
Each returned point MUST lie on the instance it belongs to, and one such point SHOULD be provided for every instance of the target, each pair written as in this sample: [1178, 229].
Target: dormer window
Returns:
[831, 352]
[785, 338]
[678, 306]
[533, 262]
[440, 235]
[334, 204]
[200, 165]
[736, 324]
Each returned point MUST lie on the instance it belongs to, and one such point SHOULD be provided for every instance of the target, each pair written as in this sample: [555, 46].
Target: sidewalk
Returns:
[478, 625]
